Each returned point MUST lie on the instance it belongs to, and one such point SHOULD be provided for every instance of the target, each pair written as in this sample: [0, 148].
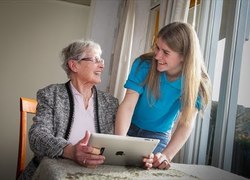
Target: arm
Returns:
[125, 112]
[42, 139]
[179, 138]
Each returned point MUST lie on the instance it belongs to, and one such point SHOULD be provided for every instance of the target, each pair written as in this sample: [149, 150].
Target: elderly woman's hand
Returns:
[84, 155]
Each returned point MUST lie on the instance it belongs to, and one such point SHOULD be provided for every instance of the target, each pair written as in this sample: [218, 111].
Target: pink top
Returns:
[83, 118]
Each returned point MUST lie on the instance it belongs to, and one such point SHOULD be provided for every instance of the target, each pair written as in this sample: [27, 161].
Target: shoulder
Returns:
[149, 55]
[141, 66]
[52, 90]
[142, 63]
[107, 101]
[106, 97]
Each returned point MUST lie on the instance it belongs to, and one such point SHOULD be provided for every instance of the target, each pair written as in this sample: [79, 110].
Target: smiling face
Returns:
[167, 59]
[87, 71]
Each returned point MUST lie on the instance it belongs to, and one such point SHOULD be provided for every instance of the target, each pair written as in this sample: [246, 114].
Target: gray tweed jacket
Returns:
[52, 123]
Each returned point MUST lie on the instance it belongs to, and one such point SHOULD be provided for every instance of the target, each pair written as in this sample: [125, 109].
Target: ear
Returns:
[73, 65]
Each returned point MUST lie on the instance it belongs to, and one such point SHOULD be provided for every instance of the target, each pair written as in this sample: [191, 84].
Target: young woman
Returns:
[165, 88]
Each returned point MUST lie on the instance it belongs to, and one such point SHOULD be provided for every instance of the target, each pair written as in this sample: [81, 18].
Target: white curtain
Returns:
[131, 40]
[122, 50]
[172, 10]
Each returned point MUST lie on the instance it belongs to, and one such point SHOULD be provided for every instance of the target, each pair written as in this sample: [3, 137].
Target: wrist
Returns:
[168, 159]
[68, 152]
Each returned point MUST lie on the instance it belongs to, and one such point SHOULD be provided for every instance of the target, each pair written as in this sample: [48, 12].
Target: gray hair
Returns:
[76, 51]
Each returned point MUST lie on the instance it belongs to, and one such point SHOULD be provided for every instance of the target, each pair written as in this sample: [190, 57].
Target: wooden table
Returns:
[53, 169]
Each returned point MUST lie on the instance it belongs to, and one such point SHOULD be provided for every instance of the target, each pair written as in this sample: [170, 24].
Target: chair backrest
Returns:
[27, 106]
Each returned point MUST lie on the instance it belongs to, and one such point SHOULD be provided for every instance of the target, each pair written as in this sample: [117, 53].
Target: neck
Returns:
[85, 89]
[173, 77]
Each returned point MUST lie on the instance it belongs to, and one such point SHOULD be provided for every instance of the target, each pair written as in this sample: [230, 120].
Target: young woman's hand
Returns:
[161, 161]
[148, 161]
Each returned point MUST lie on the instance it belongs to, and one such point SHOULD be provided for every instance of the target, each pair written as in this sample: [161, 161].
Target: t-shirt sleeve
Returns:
[198, 103]
[137, 75]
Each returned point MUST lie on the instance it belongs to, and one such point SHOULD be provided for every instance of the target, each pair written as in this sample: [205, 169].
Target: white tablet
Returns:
[123, 150]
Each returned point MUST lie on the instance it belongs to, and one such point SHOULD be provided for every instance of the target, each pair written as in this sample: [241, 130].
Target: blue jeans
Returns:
[163, 137]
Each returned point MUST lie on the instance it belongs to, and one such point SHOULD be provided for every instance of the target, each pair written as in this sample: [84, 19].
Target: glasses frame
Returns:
[95, 60]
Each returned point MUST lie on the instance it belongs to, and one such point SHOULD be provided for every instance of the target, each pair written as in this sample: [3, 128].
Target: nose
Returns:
[101, 65]
[158, 55]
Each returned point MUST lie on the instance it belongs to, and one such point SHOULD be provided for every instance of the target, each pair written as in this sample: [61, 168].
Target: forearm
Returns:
[125, 112]
[179, 137]
[123, 120]
[43, 143]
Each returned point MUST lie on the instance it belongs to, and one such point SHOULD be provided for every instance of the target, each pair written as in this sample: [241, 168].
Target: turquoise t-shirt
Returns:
[155, 115]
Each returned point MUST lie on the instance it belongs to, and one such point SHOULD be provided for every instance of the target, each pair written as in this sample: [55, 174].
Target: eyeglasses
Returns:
[93, 59]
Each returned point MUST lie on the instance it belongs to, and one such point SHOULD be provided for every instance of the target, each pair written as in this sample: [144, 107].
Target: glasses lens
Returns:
[93, 59]
[100, 60]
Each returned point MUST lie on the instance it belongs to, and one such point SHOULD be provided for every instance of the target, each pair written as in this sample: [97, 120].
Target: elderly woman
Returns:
[68, 113]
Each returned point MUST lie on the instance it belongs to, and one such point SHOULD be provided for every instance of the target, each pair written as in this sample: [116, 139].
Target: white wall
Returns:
[32, 34]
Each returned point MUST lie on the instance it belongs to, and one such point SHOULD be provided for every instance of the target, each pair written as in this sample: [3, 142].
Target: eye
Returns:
[165, 52]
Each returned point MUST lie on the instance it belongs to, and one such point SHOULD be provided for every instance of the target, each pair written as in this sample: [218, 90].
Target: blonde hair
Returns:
[182, 38]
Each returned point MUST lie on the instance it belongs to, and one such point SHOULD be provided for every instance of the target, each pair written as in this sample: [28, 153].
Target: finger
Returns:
[85, 140]
[156, 159]
[148, 165]
[157, 155]
[96, 151]
[164, 165]
[94, 162]
[91, 160]
[94, 157]
[148, 160]
[91, 150]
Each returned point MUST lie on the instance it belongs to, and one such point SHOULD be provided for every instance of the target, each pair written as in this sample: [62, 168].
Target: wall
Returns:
[32, 35]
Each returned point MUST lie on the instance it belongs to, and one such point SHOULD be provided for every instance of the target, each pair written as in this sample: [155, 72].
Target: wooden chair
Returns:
[27, 106]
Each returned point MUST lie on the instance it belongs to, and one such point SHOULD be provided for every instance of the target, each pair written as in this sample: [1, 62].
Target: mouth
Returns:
[98, 73]
[161, 63]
